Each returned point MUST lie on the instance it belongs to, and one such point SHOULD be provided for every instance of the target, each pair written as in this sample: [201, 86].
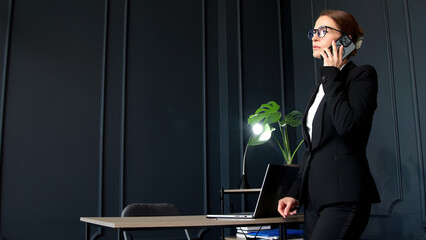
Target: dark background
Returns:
[108, 102]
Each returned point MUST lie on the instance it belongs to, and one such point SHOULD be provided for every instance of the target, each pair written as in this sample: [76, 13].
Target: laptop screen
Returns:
[276, 183]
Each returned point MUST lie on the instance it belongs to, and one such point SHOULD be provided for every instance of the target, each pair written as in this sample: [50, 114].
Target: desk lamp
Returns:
[261, 134]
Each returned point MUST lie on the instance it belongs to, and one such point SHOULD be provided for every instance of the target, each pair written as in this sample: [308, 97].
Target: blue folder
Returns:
[275, 232]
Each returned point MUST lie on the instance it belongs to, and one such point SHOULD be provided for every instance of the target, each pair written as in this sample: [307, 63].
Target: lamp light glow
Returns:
[257, 129]
[265, 136]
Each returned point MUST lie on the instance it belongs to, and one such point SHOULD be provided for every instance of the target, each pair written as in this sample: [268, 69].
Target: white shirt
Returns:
[313, 109]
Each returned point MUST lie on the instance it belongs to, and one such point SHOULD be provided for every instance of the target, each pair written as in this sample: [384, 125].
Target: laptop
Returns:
[276, 183]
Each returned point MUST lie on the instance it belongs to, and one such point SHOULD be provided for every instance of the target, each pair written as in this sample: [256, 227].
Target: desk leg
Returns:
[222, 211]
[283, 231]
[120, 234]
[87, 231]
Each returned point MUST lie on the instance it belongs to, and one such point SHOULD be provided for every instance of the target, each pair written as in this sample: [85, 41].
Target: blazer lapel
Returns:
[305, 131]
[317, 125]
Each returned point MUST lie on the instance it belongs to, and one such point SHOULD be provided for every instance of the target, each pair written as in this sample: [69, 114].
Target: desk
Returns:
[169, 222]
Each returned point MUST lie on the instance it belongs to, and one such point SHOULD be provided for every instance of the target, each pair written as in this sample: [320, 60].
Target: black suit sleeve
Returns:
[295, 187]
[351, 99]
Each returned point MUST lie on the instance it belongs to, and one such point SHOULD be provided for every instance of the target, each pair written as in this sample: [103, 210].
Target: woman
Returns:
[334, 183]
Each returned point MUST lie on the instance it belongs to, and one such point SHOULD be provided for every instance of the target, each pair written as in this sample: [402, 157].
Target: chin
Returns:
[316, 54]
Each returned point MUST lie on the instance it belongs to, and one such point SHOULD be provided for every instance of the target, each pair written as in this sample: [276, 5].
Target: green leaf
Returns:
[293, 119]
[266, 114]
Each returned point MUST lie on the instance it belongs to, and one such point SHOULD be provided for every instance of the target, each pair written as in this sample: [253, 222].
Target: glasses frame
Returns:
[314, 31]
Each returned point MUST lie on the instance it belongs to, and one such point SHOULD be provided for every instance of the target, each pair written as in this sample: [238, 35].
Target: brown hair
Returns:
[347, 23]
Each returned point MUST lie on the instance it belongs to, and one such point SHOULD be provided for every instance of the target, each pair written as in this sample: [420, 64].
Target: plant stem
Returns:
[287, 146]
[279, 145]
[284, 149]
[295, 150]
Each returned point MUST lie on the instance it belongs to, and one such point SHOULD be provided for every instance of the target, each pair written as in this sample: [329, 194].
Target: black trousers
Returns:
[344, 221]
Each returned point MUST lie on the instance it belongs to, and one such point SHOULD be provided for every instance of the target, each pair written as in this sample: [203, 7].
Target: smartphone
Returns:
[348, 45]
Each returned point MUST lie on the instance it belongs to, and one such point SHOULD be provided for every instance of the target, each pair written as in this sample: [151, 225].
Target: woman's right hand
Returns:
[287, 205]
[333, 58]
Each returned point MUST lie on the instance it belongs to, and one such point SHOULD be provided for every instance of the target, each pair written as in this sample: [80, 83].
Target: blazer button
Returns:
[323, 79]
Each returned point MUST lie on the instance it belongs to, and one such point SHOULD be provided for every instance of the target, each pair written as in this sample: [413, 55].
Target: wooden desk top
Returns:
[184, 221]
[251, 190]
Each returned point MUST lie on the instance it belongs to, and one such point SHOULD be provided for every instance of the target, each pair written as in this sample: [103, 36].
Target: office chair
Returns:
[154, 209]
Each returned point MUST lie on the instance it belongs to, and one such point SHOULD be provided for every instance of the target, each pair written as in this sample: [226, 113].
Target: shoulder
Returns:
[353, 69]
[361, 72]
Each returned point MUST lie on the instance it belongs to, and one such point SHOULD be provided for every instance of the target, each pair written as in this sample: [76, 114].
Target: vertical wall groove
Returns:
[3, 94]
[123, 107]
[240, 80]
[281, 61]
[204, 101]
[416, 112]
[393, 104]
[223, 94]
[314, 61]
[98, 233]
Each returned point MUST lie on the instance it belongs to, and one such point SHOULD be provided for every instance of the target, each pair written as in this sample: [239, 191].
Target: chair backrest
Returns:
[150, 209]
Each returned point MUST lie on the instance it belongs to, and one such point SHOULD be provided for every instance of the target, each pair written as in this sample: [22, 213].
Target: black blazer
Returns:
[334, 167]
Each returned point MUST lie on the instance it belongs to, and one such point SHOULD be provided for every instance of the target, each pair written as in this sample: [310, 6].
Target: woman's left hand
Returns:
[333, 58]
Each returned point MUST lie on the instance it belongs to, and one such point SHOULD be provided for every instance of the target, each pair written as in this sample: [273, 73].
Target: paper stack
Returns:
[266, 232]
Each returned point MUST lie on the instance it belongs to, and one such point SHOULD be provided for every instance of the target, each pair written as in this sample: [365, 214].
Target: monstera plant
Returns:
[266, 117]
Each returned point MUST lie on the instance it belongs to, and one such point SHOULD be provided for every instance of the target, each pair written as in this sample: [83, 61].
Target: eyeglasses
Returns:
[321, 32]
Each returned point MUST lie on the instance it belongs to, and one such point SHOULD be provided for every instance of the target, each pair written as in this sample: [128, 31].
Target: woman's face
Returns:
[320, 44]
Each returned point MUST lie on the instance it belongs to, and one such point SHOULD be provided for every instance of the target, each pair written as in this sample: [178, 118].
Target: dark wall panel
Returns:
[51, 124]
[104, 106]
[250, 74]
[414, 11]
[164, 105]
[261, 76]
